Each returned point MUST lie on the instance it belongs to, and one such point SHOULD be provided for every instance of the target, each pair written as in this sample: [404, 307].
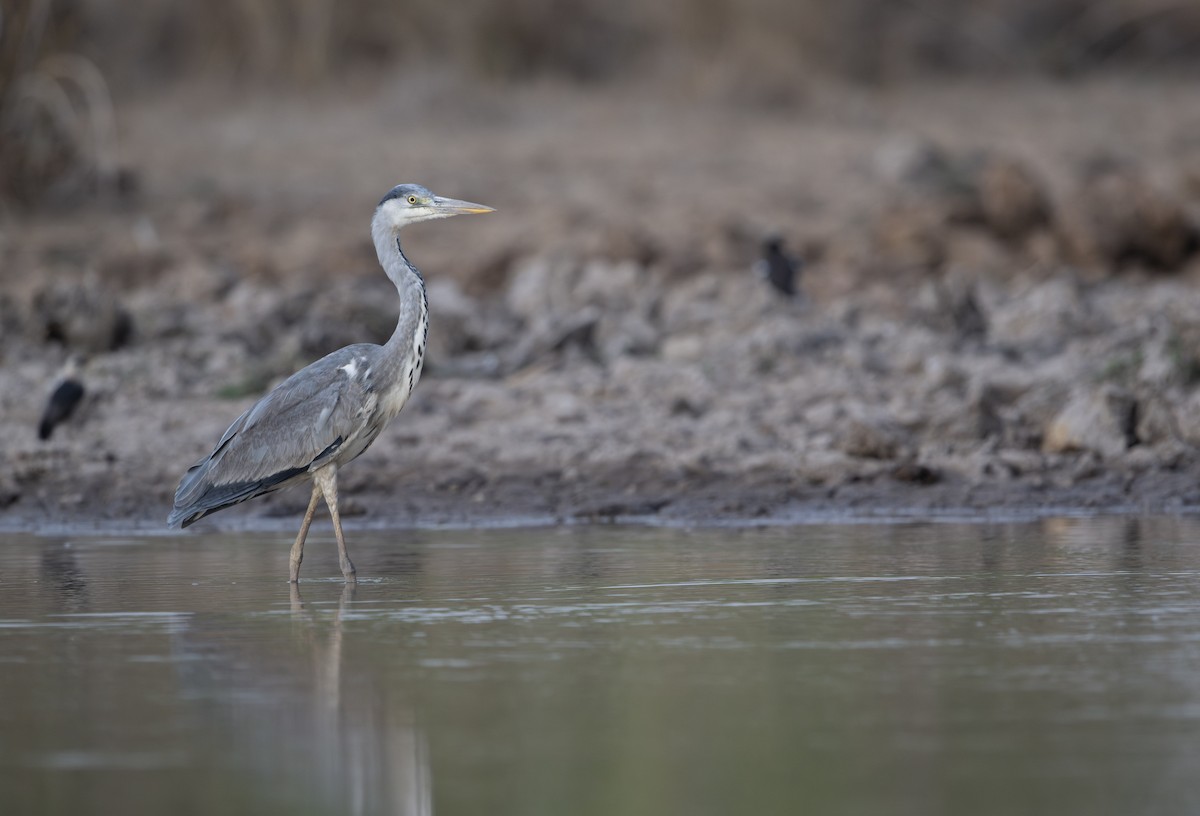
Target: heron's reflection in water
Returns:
[378, 758]
[369, 749]
[305, 710]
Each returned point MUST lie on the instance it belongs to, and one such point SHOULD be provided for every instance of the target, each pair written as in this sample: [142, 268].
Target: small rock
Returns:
[1041, 403]
[621, 333]
[1101, 421]
[564, 407]
[555, 334]
[543, 286]
[683, 405]
[916, 473]
[1044, 316]
[943, 371]
[925, 170]
[952, 306]
[465, 480]
[11, 320]
[910, 237]
[985, 411]
[1139, 459]
[683, 348]
[997, 192]
[9, 492]
[1021, 462]
[869, 440]
[86, 317]
[829, 467]
[460, 324]
[1156, 423]
[608, 511]
[328, 319]
[1011, 199]
[1187, 416]
[1120, 217]
[623, 285]
[536, 288]
[1170, 357]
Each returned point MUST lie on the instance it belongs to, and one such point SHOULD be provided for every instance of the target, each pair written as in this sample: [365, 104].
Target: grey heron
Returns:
[329, 412]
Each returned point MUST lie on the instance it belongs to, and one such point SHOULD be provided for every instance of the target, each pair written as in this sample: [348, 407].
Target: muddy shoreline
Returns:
[986, 324]
[715, 499]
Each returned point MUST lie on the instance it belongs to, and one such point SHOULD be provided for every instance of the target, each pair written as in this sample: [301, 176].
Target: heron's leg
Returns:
[297, 601]
[326, 479]
[298, 547]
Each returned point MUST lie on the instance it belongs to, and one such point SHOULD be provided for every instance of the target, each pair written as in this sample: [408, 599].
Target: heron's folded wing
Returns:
[303, 419]
[293, 425]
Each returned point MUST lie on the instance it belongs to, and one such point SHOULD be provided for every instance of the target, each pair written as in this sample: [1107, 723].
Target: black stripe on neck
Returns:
[409, 264]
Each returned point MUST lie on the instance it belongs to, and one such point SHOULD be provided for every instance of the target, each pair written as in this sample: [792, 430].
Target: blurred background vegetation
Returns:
[63, 61]
[138, 43]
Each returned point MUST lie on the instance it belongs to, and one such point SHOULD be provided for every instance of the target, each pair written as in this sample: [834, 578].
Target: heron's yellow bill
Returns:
[456, 207]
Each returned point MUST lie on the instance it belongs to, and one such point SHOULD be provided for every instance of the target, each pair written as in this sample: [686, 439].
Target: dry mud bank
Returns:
[1001, 308]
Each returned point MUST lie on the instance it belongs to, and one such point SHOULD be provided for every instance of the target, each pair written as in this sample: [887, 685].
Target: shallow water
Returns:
[1048, 667]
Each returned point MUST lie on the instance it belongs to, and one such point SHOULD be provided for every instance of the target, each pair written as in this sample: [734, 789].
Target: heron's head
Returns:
[408, 204]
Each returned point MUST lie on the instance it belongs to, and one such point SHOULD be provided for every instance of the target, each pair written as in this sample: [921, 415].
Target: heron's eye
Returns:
[412, 199]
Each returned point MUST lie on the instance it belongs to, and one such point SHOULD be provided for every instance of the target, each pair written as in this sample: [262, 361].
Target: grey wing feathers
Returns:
[291, 431]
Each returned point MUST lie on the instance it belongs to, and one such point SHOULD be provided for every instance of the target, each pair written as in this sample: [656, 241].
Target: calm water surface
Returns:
[1049, 667]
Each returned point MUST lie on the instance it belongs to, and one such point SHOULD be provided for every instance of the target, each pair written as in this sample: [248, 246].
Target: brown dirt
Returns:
[600, 348]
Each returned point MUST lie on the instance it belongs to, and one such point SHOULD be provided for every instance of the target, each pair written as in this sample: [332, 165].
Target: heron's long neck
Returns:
[406, 348]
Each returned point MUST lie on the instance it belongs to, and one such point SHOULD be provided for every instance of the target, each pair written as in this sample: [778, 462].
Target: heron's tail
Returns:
[180, 517]
[187, 495]
[197, 497]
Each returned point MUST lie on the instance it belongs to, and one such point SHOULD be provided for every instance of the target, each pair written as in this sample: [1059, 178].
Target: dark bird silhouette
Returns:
[64, 399]
[779, 268]
[969, 318]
